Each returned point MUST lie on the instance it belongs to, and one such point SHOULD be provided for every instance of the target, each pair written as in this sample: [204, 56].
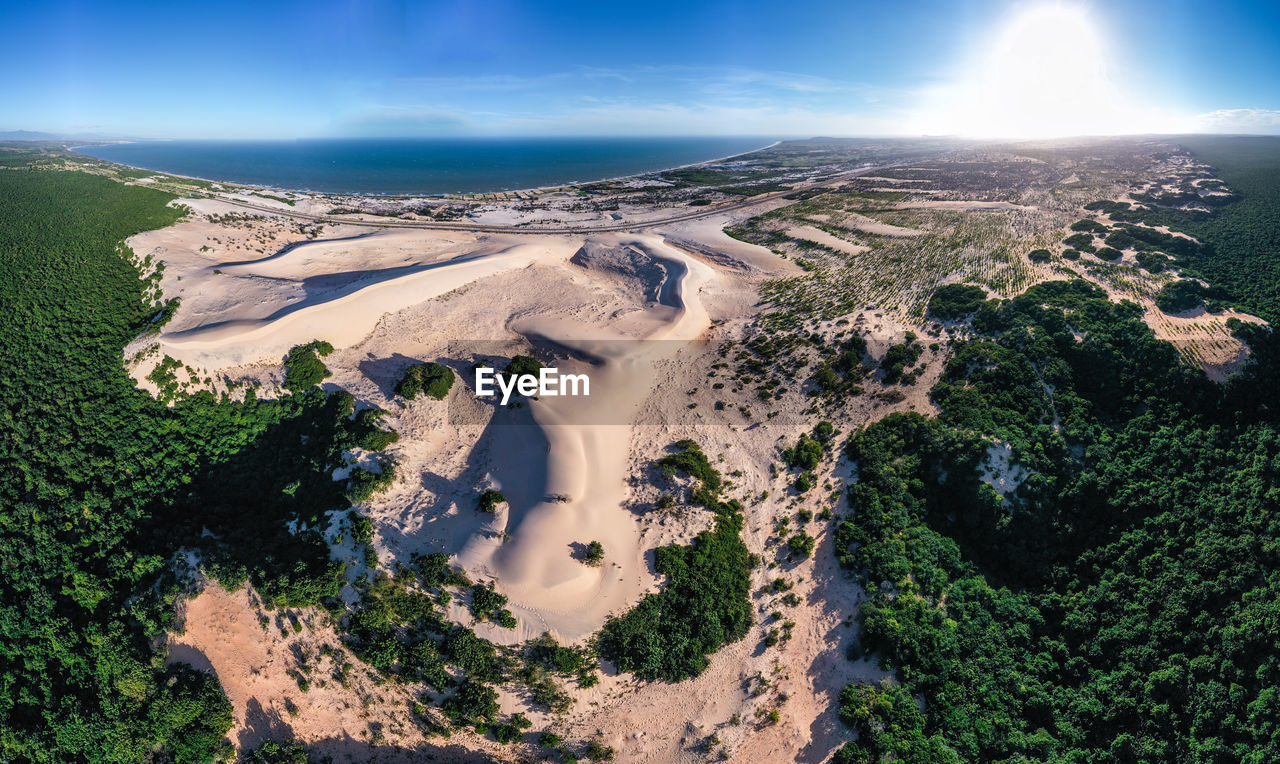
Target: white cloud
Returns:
[683, 100]
[1237, 121]
[666, 100]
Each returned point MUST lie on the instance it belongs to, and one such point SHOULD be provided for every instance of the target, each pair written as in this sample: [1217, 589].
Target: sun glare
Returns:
[1046, 73]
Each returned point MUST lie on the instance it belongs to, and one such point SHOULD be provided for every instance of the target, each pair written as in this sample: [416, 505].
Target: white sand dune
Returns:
[586, 464]
[630, 321]
[346, 319]
[636, 310]
[385, 248]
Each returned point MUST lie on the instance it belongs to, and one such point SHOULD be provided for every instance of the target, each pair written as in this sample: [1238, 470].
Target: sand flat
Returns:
[818, 236]
[868, 225]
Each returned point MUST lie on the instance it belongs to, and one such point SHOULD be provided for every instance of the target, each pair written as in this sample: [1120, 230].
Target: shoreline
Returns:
[394, 196]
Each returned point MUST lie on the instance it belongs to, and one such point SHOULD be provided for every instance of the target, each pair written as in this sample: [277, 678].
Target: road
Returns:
[636, 225]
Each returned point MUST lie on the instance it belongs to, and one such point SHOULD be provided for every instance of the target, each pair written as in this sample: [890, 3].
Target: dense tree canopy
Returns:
[101, 484]
[1120, 602]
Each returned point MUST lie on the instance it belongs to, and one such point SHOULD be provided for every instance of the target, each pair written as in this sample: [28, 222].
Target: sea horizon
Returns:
[421, 166]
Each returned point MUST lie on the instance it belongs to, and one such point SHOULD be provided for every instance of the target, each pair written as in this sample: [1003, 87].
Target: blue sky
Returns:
[492, 67]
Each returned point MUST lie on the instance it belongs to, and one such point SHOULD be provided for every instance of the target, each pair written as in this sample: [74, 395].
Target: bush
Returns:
[433, 379]
[361, 527]
[473, 704]
[1080, 241]
[840, 374]
[805, 456]
[952, 302]
[690, 461]
[368, 432]
[705, 603]
[1153, 262]
[523, 365]
[488, 605]
[898, 359]
[1039, 255]
[1177, 296]
[1109, 254]
[1107, 207]
[362, 484]
[274, 752]
[303, 367]
[1089, 225]
[1122, 240]
[594, 554]
[478, 657]
[801, 544]
[889, 725]
[490, 499]
[513, 729]
[192, 715]
[598, 751]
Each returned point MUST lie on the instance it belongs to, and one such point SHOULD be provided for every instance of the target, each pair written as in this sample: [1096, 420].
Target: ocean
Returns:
[425, 166]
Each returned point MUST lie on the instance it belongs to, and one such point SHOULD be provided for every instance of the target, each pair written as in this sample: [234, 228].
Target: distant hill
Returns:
[27, 135]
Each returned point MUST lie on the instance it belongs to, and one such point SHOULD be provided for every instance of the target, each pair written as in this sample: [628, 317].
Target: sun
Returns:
[1045, 73]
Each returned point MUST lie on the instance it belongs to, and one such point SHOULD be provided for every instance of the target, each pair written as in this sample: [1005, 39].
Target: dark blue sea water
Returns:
[420, 166]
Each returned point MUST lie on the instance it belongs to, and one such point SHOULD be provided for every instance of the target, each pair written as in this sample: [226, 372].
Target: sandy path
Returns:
[818, 236]
[864, 223]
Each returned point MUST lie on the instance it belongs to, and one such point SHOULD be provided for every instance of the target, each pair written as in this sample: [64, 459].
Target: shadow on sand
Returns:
[261, 725]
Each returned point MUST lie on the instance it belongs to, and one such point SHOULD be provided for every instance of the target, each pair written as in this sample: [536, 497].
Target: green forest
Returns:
[1122, 603]
[101, 484]
[1242, 256]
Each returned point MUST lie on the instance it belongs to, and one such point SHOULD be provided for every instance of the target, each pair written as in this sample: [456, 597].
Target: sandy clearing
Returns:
[869, 225]
[258, 657]
[818, 236]
[1202, 338]
[706, 237]
[337, 254]
[913, 191]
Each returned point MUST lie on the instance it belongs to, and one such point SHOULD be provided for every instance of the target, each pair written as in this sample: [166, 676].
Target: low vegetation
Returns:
[490, 499]
[303, 367]
[432, 379]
